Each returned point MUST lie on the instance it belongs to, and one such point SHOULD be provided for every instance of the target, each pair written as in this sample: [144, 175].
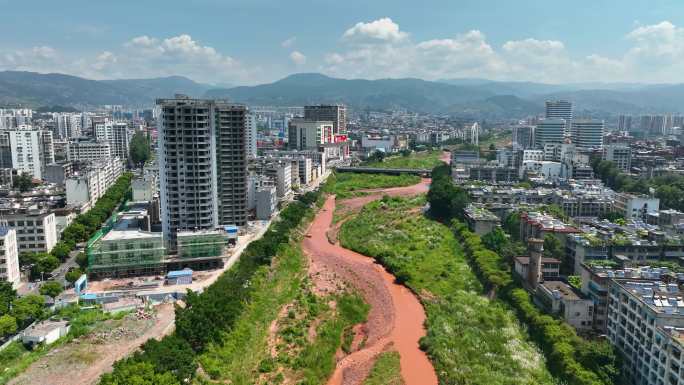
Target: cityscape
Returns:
[367, 199]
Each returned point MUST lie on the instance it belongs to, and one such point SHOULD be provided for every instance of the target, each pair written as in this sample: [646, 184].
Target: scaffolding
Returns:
[115, 253]
[201, 244]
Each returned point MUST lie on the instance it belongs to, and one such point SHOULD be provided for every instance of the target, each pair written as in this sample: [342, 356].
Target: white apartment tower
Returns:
[619, 154]
[27, 149]
[202, 165]
[116, 133]
[559, 109]
[309, 135]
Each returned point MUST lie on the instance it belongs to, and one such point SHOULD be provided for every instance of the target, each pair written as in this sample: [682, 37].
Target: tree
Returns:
[51, 288]
[82, 260]
[23, 182]
[61, 251]
[376, 156]
[511, 225]
[73, 275]
[28, 308]
[8, 325]
[139, 149]
[7, 296]
[495, 240]
[136, 373]
[171, 354]
[46, 263]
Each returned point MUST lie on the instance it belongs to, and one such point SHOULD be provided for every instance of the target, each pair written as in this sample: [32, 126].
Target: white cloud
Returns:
[382, 29]
[289, 42]
[298, 58]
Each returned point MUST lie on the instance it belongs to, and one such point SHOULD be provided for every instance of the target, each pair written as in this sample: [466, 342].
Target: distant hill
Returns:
[461, 97]
[300, 89]
[35, 89]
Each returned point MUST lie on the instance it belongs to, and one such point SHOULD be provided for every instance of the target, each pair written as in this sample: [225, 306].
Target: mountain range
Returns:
[461, 97]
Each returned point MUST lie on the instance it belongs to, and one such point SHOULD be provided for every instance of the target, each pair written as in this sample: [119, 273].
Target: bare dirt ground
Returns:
[84, 360]
[396, 316]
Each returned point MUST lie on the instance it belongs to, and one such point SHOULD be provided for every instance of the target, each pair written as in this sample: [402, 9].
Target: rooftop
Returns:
[660, 296]
[119, 235]
[561, 288]
[548, 222]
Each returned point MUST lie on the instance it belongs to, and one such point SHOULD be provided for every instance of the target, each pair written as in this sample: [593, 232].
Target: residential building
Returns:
[557, 297]
[202, 165]
[89, 184]
[251, 135]
[549, 131]
[266, 202]
[559, 109]
[536, 225]
[87, 150]
[145, 187]
[550, 267]
[27, 149]
[480, 220]
[36, 230]
[116, 134]
[494, 174]
[335, 113]
[587, 133]
[9, 256]
[636, 206]
[307, 135]
[58, 172]
[620, 155]
[645, 321]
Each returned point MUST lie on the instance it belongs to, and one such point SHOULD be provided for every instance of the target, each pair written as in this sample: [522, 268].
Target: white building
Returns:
[646, 325]
[587, 133]
[534, 155]
[30, 149]
[116, 134]
[620, 155]
[9, 256]
[36, 230]
[307, 135]
[88, 150]
[548, 170]
[85, 188]
[636, 206]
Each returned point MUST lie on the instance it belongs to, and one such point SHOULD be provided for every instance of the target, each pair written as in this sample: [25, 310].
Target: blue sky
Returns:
[253, 41]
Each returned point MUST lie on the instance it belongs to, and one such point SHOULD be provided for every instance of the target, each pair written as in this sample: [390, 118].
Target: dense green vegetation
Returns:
[446, 200]
[386, 371]
[23, 182]
[213, 327]
[572, 359]
[668, 188]
[413, 160]
[348, 184]
[470, 339]
[139, 150]
[17, 313]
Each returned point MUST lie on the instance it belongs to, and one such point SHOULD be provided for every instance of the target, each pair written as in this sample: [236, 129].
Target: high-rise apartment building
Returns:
[335, 113]
[87, 150]
[587, 133]
[251, 135]
[27, 149]
[549, 131]
[116, 133]
[559, 109]
[202, 165]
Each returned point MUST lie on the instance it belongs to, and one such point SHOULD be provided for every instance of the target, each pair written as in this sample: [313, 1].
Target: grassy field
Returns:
[286, 333]
[416, 160]
[347, 184]
[386, 370]
[470, 339]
